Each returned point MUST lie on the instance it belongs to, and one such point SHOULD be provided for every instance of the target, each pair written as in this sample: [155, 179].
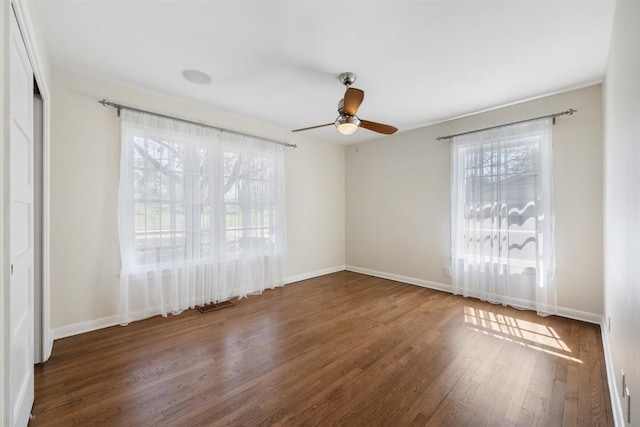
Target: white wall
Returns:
[622, 201]
[398, 199]
[85, 150]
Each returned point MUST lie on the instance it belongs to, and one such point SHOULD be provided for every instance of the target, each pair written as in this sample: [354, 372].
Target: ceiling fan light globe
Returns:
[347, 124]
[347, 128]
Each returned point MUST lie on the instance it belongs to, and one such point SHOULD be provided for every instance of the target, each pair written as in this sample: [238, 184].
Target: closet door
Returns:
[21, 230]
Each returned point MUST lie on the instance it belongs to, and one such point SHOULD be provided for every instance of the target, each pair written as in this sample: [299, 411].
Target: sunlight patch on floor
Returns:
[532, 335]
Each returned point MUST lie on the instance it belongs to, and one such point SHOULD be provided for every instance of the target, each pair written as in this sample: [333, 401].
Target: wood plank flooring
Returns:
[342, 349]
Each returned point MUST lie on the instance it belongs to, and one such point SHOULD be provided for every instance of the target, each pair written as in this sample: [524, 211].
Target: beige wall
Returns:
[85, 145]
[622, 203]
[398, 199]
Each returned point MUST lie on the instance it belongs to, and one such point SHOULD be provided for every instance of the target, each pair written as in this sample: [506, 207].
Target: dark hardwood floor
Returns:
[342, 349]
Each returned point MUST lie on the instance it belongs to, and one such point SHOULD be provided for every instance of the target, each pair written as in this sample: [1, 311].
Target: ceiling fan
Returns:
[347, 121]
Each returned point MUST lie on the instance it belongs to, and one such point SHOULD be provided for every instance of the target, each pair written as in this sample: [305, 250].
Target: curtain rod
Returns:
[119, 107]
[568, 112]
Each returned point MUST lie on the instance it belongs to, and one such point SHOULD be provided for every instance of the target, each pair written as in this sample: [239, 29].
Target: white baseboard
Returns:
[616, 403]
[583, 316]
[398, 278]
[312, 274]
[561, 311]
[82, 327]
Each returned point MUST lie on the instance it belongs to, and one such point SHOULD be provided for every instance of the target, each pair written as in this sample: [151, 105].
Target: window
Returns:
[174, 211]
[502, 215]
[500, 179]
[201, 214]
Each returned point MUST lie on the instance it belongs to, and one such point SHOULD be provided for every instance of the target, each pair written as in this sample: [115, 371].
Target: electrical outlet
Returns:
[627, 406]
[447, 272]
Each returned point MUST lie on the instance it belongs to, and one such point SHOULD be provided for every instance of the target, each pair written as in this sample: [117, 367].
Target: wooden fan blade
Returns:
[378, 127]
[312, 127]
[352, 99]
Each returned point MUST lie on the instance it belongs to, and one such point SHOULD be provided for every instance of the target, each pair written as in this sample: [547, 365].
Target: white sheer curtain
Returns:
[502, 217]
[201, 216]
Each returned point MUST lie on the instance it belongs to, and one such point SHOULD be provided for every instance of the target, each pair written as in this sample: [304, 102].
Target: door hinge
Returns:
[12, 269]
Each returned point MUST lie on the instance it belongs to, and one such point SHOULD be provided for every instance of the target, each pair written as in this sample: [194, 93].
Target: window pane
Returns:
[174, 202]
[500, 182]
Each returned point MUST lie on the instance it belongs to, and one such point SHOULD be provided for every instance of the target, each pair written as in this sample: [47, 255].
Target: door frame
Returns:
[39, 66]
[22, 249]
[40, 69]
[5, 15]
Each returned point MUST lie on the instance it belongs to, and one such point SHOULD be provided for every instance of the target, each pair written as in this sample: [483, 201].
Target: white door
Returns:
[21, 230]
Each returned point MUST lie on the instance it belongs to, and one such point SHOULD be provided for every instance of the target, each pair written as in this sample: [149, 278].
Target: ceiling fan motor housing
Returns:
[347, 78]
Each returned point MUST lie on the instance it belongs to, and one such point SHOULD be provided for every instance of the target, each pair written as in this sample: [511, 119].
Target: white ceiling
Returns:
[419, 62]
